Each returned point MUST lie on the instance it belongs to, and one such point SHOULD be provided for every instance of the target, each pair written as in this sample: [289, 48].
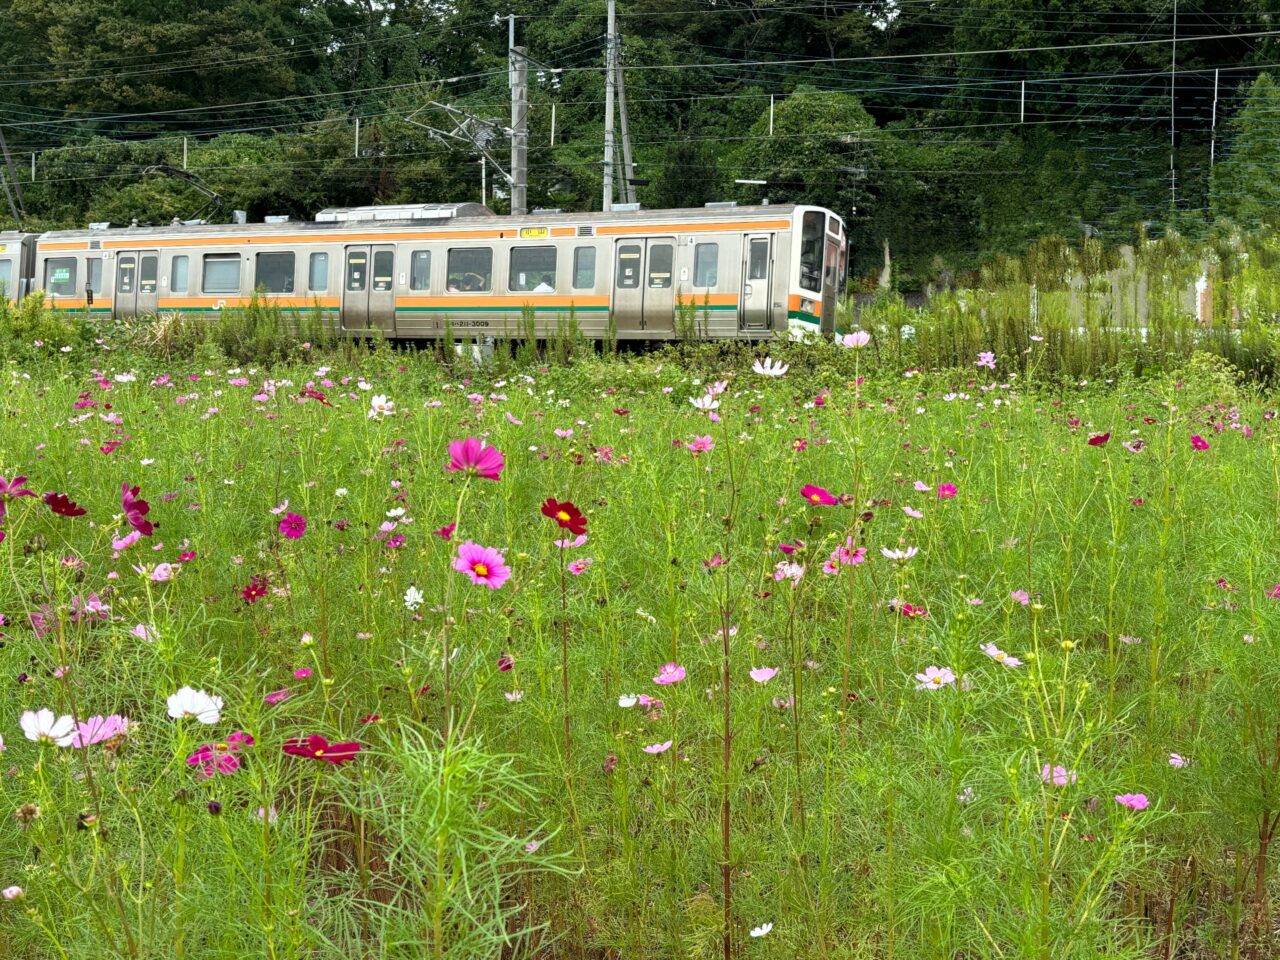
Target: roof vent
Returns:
[548, 210]
[626, 207]
[239, 216]
[720, 204]
[276, 218]
[100, 225]
[586, 230]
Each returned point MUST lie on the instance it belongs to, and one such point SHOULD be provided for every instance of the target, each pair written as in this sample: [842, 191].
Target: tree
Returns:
[1246, 183]
[689, 176]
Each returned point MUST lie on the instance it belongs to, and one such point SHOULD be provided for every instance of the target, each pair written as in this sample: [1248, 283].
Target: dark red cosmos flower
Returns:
[1100, 439]
[136, 510]
[505, 662]
[621, 411]
[566, 515]
[63, 505]
[256, 589]
[316, 747]
[316, 395]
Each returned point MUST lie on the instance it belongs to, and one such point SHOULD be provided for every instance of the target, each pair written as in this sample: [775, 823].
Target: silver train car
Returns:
[737, 272]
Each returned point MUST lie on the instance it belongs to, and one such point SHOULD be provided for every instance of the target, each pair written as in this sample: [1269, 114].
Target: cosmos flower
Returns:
[764, 674]
[99, 728]
[1197, 443]
[63, 505]
[212, 758]
[946, 491]
[380, 406]
[1057, 775]
[413, 598]
[136, 510]
[999, 656]
[42, 726]
[568, 516]
[856, 340]
[1178, 761]
[316, 747]
[475, 459]
[196, 704]
[700, 445]
[1099, 439]
[762, 930]
[567, 544]
[986, 359]
[657, 747]
[1133, 801]
[817, 496]
[11, 490]
[579, 567]
[896, 554]
[485, 566]
[705, 403]
[669, 674]
[293, 526]
[770, 367]
[934, 678]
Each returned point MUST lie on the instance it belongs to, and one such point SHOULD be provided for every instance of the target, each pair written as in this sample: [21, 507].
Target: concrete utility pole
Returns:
[519, 79]
[628, 170]
[19, 208]
[609, 76]
[1173, 83]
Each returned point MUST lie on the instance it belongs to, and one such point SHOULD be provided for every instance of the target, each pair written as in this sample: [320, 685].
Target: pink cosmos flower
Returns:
[946, 491]
[11, 490]
[764, 674]
[1178, 761]
[913, 513]
[1057, 775]
[97, 729]
[303, 672]
[573, 544]
[999, 656]
[1133, 801]
[136, 510]
[669, 674]
[700, 445]
[446, 532]
[986, 359]
[277, 696]
[1021, 596]
[474, 458]
[484, 565]
[817, 496]
[1197, 443]
[935, 678]
[856, 340]
[211, 758]
[657, 747]
[293, 526]
[579, 567]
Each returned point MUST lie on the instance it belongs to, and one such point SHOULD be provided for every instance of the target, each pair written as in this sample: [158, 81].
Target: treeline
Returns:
[1068, 122]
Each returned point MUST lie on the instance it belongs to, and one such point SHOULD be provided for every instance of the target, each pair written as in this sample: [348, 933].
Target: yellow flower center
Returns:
[319, 753]
[815, 497]
[221, 747]
[562, 515]
[481, 570]
[1000, 655]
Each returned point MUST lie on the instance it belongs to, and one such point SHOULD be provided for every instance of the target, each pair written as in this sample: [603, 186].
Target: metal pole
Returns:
[356, 152]
[184, 153]
[519, 128]
[1213, 123]
[628, 170]
[771, 114]
[607, 202]
[553, 124]
[484, 182]
[1022, 104]
[1173, 83]
[33, 168]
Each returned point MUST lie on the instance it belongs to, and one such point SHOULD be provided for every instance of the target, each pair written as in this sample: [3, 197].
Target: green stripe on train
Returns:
[806, 317]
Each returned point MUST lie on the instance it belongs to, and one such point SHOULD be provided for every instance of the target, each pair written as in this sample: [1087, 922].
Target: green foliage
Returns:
[1246, 186]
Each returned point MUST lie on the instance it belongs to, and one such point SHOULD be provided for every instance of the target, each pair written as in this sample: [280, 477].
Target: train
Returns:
[420, 270]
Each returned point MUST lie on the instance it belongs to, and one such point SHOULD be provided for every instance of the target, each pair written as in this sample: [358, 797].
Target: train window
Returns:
[60, 276]
[94, 282]
[318, 272]
[420, 270]
[811, 230]
[148, 271]
[706, 257]
[179, 275]
[470, 270]
[660, 256]
[758, 260]
[584, 268]
[384, 265]
[628, 266]
[221, 273]
[357, 269]
[275, 272]
[126, 274]
[533, 270]
[6, 277]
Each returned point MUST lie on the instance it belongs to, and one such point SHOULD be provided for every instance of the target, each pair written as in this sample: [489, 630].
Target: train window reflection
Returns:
[148, 274]
[706, 258]
[275, 272]
[811, 244]
[420, 270]
[584, 268]
[758, 260]
[318, 272]
[383, 270]
[178, 275]
[221, 273]
[660, 255]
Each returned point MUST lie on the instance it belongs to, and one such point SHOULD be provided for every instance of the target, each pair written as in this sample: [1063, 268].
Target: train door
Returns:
[369, 289]
[644, 293]
[757, 281]
[137, 283]
[831, 285]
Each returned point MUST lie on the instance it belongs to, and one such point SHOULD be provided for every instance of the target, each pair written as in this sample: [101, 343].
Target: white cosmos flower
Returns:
[413, 598]
[380, 406]
[770, 367]
[761, 930]
[627, 701]
[195, 703]
[906, 554]
[43, 727]
[704, 403]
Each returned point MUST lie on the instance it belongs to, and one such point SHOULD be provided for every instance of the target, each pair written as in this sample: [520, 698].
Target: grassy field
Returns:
[849, 662]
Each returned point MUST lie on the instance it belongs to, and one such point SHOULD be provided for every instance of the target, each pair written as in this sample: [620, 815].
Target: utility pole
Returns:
[628, 171]
[518, 75]
[1173, 83]
[1213, 123]
[356, 150]
[609, 76]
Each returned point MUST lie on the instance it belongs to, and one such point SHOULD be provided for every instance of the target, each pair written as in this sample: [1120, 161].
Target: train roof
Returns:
[462, 216]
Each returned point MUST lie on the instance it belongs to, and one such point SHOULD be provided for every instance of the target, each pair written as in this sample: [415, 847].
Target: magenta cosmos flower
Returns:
[1133, 801]
[669, 674]
[211, 758]
[11, 490]
[1197, 443]
[293, 526]
[817, 496]
[475, 459]
[484, 565]
[136, 510]
[946, 491]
